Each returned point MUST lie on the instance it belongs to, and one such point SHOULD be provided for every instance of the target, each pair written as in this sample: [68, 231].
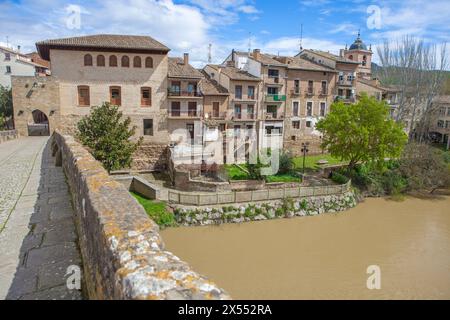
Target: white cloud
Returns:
[248, 9]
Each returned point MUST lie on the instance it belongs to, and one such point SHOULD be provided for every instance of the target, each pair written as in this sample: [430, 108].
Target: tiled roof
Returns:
[210, 87]
[234, 73]
[332, 56]
[103, 41]
[305, 64]
[264, 58]
[178, 69]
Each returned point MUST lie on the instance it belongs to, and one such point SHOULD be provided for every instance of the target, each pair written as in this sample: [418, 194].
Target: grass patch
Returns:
[287, 177]
[311, 161]
[236, 173]
[156, 210]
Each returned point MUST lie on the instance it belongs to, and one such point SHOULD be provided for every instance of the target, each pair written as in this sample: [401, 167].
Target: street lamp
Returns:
[305, 150]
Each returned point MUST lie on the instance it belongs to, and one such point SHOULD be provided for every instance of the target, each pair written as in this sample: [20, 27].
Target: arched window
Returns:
[364, 62]
[87, 60]
[149, 62]
[100, 60]
[112, 61]
[137, 62]
[125, 61]
[350, 57]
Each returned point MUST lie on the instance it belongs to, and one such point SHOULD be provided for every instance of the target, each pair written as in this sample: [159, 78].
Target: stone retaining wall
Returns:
[8, 135]
[123, 253]
[286, 208]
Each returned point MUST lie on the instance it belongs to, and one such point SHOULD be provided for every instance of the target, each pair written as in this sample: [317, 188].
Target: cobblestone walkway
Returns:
[37, 233]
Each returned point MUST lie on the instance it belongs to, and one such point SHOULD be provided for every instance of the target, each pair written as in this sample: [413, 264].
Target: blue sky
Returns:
[190, 25]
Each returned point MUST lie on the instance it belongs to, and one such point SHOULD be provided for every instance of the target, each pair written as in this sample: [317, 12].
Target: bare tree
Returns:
[417, 71]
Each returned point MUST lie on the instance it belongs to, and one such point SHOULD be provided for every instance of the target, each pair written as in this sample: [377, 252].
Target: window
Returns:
[295, 108]
[273, 73]
[272, 130]
[323, 108]
[296, 124]
[250, 111]
[324, 87]
[341, 77]
[293, 138]
[350, 57]
[137, 62]
[146, 96]
[148, 127]
[310, 86]
[149, 62]
[175, 109]
[238, 92]
[251, 92]
[8, 69]
[192, 109]
[308, 124]
[340, 92]
[237, 111]
[442, 111]
[447, 124]
[216, 108]
[7, 56]
[113, 61]
[100, 60]
[309, 107]
[272, 111]
[192, 89]
[440, 124]
[83, 96]
[125, 62]
[272, 90]
[175, 87]
[87, 60]
[115, 96]
[448, 111]
[364, 62]
[296, 86]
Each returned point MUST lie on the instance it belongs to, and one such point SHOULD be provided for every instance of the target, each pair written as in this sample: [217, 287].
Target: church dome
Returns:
[358, 44]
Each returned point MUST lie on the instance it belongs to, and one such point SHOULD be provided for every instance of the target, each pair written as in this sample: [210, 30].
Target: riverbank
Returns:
[267, 210]
[326, 256]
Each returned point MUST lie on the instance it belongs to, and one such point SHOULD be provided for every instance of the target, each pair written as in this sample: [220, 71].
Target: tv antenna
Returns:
[210, 53]
[249, 43]
[301, 37]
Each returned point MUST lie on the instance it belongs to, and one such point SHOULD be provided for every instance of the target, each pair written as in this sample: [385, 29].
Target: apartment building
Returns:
[244, 97]
[310, 92]
[440, 127]
[346, 68]
[128, 71]
[14, 63]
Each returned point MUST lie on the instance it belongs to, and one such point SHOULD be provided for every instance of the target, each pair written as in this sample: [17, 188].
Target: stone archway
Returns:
[38, 124]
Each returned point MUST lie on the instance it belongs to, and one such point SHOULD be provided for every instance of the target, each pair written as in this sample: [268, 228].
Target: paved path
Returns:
[37, 233]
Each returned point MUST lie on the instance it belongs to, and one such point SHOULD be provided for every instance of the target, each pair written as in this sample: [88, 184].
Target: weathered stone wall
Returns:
[35, 93]
[286, 208]
[8, 135]
[123, 253]
[150, 157]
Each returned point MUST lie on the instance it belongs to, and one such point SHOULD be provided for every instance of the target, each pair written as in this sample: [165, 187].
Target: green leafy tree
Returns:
[108, 136]
[362, 132]
[6, 105]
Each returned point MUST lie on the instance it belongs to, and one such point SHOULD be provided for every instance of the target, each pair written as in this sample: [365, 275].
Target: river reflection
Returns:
[326, 256]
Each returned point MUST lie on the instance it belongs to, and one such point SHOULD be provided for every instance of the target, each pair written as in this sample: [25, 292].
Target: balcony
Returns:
[244, 116]
[346, 83]
[346, 99]
[183, 94]
[309, 92]
[184, 114]
[216, 115]
[273, 116]
[295, 92]
[323, 92]
[275, 98]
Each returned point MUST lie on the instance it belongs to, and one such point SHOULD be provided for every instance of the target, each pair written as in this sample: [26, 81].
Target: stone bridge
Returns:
[63, 219]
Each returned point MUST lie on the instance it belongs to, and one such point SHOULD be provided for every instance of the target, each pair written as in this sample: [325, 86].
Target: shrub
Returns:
[107, 135]
[286, 163]
[339, 178]
[254, 170]
[157, 211]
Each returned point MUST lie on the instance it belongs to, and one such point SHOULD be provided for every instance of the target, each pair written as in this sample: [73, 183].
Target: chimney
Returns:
[186, 58]
[256, 54]
[18, 48]
[230, 63]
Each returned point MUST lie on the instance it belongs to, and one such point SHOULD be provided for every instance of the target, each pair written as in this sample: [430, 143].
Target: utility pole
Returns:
[305, 150]
[301, 37]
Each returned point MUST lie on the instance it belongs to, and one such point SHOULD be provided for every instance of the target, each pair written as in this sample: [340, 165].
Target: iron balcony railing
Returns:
[181, 93]
[185, 113]
[275, 98]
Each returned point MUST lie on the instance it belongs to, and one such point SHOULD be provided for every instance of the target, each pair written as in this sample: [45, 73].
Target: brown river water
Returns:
[326, 256]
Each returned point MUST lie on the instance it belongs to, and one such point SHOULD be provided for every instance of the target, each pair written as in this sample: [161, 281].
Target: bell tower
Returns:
[358, 52]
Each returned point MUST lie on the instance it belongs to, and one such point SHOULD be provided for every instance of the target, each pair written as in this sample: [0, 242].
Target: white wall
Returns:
[18, 68]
